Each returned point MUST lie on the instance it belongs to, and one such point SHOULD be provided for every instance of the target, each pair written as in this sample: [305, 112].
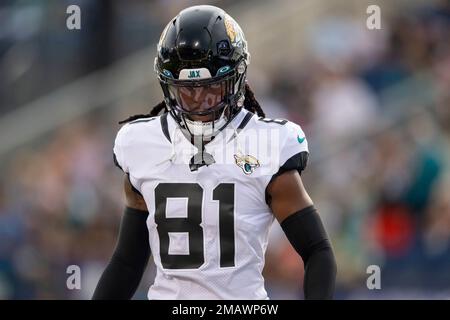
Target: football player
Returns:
[205, 179]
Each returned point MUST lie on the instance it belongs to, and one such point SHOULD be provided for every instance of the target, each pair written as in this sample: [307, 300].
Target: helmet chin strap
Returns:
[201, 133]
[204, 130]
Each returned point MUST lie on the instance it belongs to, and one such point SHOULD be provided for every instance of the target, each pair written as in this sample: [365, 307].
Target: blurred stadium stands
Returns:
[374, 104]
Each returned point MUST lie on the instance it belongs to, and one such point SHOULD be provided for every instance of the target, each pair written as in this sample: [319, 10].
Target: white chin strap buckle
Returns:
[206, 129]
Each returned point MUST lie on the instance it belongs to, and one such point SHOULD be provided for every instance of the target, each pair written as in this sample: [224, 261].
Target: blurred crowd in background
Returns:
[375, 107]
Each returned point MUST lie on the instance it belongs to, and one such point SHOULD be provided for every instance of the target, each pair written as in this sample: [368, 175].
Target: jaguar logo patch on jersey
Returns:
[247, 163]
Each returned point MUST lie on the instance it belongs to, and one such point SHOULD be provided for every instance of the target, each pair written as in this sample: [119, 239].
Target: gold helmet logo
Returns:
[234, 31]
[230, 27]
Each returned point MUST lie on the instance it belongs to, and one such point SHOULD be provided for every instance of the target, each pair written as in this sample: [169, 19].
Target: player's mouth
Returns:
[206, 118]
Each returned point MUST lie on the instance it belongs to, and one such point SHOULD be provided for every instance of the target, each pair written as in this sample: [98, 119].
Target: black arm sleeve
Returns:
[305, 231]
[124, 272]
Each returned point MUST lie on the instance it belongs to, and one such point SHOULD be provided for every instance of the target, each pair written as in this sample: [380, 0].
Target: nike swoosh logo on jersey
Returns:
[300, 140]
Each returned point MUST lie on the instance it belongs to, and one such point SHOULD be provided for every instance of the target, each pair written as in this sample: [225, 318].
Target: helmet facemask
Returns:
[204, 107]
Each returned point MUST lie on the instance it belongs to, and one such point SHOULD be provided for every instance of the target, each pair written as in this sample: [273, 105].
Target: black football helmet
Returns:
[201, 65]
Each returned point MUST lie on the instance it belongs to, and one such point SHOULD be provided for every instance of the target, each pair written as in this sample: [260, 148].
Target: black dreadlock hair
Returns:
[250, 103]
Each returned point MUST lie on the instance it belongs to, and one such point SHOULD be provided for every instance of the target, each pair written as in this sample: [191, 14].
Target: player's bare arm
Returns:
[132, 198]
[124, 272]
[294, 210]
[288, 195]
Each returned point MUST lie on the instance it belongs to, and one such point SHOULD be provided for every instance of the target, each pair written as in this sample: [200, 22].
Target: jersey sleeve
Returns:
[118, 150]
[294, 149]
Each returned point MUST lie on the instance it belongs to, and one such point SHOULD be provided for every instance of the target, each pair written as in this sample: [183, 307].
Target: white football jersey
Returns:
[208, 226]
